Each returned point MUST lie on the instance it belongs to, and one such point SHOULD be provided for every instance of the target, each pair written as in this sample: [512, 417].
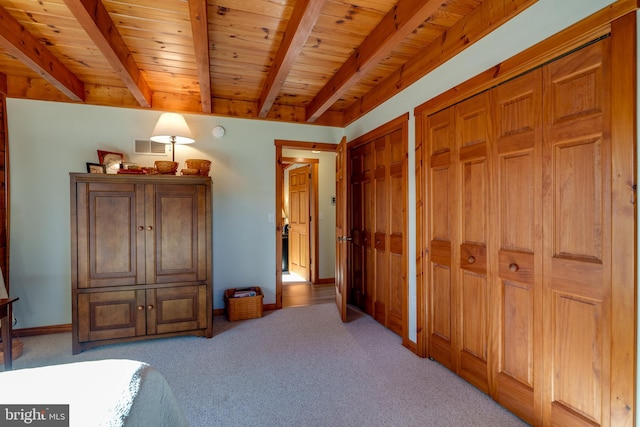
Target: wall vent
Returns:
[148, 147]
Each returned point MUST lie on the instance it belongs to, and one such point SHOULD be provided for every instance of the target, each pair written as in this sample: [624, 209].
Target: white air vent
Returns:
[150, 148]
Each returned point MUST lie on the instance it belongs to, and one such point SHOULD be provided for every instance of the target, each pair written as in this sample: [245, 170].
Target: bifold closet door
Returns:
[381, 228]
[361, 227]
[577, 237]
[397, 295]
[441, 214]
[517, 118]
[473, 132]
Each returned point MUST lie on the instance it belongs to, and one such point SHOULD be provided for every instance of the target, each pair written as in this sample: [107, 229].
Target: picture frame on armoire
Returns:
[111, 161]
[96, 168]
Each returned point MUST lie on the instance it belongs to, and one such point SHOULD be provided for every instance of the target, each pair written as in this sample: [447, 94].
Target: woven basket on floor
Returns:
[244, 307]
[16, 350]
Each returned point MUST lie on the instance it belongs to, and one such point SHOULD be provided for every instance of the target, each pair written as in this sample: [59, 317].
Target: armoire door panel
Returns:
[111, 315]
[177, 253]
[176, 309]
[117, 236]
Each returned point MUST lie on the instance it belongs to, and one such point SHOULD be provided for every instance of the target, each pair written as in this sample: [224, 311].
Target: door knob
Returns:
[514, 267]
[471, 259]
[344, 239]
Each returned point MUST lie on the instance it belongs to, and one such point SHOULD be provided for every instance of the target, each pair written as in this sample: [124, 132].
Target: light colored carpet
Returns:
[296, 367]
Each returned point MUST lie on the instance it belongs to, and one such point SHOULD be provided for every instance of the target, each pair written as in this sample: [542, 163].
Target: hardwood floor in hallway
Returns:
[303, 294]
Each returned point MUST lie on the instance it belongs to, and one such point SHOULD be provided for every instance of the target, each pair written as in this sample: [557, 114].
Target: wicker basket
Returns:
[166, 167]
[16, 350]
[202, 165]
[242, 308]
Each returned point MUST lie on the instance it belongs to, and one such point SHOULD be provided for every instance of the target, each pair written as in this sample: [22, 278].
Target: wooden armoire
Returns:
[141, 258]
[527, 219]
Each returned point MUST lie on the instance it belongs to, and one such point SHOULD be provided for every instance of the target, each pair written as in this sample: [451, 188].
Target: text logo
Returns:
[34, 415]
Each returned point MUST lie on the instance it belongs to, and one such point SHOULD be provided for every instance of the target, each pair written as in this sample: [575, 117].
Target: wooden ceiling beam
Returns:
[17, 41]
[199, 27]
[95, 19]
[303, 19]
[484, 19]
[396, 25]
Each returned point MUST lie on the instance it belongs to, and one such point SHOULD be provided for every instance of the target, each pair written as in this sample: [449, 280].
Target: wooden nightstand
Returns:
[6, 324]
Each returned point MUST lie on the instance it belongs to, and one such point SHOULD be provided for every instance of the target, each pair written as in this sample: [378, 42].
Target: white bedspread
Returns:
[99, 393]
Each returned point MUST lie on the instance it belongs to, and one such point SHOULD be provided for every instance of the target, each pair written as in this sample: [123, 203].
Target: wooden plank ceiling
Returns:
[316, 61]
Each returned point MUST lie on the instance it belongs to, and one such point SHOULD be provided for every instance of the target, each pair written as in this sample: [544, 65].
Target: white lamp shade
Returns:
[172, 127]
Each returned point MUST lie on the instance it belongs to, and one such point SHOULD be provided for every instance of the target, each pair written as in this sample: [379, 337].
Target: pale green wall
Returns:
[49, 140]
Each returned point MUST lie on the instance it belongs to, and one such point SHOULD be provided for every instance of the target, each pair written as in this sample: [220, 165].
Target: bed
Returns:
[115, 392]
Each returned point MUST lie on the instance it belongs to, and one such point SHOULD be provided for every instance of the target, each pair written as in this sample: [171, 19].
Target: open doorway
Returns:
[300, 218]
[314, 155]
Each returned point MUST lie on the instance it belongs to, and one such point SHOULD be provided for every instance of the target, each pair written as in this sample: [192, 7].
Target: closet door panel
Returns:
[472, 137]
[381, 200]
[518, 133]
[577, 237]
[441, 208]
[397, 289]
[356, 284]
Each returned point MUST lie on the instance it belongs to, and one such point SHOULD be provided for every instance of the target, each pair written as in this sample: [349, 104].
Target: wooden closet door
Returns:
[299, 192]
[442, 190]
[361, 226]
[381, 230]
[577, 238]
[397, 295]
[472, 137]
[517, 111]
